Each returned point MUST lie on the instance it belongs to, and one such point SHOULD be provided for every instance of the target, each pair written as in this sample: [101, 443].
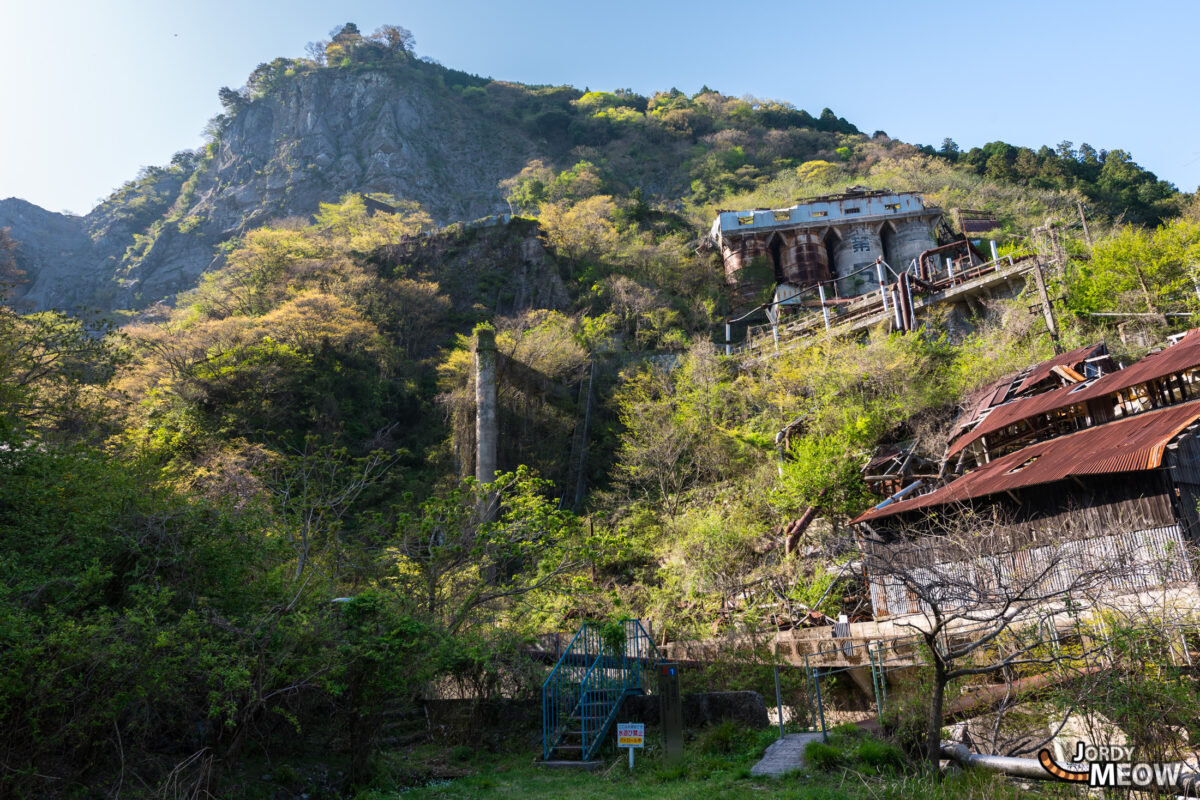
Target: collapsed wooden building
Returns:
[1074, 454]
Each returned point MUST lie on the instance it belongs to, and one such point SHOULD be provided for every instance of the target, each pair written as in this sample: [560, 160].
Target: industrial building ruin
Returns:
[1070, 453]
[856, 260]
[835, 240]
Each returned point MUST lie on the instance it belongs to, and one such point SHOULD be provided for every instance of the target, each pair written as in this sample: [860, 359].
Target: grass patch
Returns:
[716, 766]
[852, 748]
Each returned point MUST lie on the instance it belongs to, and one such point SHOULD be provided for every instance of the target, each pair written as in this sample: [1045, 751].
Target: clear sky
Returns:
[91, 90]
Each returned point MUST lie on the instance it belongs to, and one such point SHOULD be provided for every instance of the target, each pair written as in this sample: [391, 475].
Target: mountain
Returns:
[326, 134]
[367, 116]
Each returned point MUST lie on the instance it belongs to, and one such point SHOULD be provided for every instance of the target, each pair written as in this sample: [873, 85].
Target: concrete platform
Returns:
[785, 755]
[588, 766]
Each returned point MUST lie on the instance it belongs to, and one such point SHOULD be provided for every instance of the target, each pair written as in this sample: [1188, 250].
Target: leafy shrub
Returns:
[823, 756]
[880, 755]
[905, 714]
[853, 747]
[719, 739]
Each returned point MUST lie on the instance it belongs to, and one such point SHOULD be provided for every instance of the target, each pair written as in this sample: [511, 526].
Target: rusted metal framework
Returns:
[816, 311]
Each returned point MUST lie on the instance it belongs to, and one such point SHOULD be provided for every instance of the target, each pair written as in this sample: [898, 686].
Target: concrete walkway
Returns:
[785, 754]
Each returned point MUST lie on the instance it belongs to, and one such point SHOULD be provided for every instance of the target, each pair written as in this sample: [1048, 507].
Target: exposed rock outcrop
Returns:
[320, 135]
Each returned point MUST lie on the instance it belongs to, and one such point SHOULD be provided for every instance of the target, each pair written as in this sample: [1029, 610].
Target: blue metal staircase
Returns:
[584, 692]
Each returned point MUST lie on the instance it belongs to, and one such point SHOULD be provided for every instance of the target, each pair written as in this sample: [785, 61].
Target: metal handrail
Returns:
[605, 678]
[757, 335]
[559, 692]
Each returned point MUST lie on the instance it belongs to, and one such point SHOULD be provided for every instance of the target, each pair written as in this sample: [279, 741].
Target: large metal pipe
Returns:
[906, 309]
[1021, 767]
[899, 495]
[923, 273]
[487, 422]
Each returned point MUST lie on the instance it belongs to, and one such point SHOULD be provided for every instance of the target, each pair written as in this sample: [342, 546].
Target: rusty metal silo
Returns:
[807, 260]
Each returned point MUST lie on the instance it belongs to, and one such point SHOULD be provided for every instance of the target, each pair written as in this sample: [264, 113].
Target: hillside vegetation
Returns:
[238, 530]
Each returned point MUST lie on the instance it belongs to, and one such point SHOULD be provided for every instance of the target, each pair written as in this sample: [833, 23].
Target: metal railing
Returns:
[583, 693]
[869, 303]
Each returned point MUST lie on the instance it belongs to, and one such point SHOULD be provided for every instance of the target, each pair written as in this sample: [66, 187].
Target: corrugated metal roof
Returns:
[981, 400]
[1180, 357]
[1071, 359]
[993, 394]
[1127, 445]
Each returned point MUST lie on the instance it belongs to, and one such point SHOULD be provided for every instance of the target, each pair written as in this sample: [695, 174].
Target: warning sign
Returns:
[631, 734]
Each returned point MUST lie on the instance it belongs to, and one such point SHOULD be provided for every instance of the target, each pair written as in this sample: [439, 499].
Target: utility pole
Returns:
[1087, 234]
[1039, 277]
[1060, 256]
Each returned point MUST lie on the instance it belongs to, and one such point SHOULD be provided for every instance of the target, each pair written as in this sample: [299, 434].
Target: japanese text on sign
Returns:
[631, 734]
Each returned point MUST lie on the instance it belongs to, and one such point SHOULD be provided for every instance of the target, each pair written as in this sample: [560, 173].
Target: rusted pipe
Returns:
[934, 251]
[906, 312]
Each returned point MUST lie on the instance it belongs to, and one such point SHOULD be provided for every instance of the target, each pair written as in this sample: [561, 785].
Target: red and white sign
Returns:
[631, 734]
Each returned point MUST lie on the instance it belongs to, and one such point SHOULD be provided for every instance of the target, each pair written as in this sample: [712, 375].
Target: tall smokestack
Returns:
[487, 427]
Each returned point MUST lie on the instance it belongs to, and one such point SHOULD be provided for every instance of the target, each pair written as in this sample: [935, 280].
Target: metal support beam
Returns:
[816, 678]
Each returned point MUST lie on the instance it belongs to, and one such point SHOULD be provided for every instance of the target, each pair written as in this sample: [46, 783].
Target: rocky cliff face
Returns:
[494, 270]
[313, 139]
[50, 247]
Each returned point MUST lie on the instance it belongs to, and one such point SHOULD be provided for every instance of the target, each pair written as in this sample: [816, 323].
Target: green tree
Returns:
[51, 367]
[315, 487]
[1138, 271]
[673, 438]
[468, 549]
[398, 40]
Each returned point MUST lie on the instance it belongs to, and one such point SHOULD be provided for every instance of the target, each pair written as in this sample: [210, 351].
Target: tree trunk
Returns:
[933, 733]
[1150, 306]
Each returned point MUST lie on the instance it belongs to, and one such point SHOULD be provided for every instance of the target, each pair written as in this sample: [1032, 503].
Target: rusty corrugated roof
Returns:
[981, 400]
[993, 394]
[1179, 357]
[1127, 445]
[1072, 359]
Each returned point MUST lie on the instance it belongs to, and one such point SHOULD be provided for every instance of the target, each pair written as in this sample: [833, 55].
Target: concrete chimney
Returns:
[487, 425]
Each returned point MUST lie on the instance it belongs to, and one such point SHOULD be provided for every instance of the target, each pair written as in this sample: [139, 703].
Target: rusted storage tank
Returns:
[806, 262]
[738, 254]
[912, 237]
[854, 255]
